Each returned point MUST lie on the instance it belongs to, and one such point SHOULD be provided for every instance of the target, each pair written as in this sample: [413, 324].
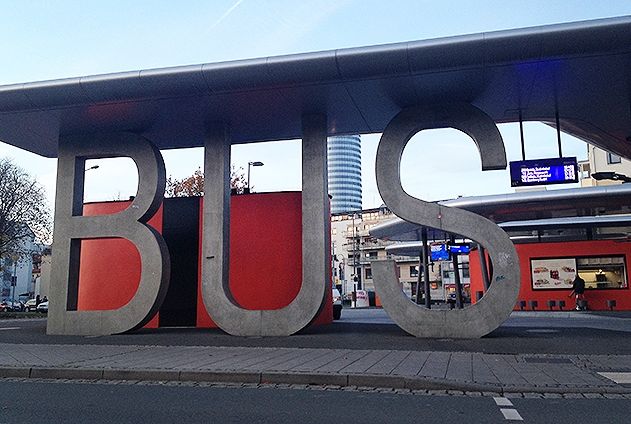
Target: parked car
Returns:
[18, 306]
[5, 306]
[43, 307]
[31, 305]
[337, 304]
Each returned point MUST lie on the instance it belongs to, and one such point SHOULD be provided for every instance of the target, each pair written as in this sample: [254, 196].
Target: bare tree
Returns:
[24, 213]
[194, 184]
[189, 186]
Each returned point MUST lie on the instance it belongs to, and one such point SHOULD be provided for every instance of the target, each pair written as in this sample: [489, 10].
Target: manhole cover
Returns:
[548, 360]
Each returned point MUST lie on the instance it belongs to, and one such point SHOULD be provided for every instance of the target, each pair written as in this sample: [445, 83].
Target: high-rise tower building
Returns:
[345, 173]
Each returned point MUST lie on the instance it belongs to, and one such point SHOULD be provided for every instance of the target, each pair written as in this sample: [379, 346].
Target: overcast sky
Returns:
[46, 40]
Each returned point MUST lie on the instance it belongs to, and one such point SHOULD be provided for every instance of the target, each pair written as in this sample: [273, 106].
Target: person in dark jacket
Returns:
[578, 290]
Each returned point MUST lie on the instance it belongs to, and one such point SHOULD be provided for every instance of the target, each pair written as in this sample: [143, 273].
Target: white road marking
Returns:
[502, 401]
[9, 328]
[618, 377]
[511, 414]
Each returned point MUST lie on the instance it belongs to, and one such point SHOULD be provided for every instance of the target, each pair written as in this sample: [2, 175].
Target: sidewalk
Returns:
[468, 372]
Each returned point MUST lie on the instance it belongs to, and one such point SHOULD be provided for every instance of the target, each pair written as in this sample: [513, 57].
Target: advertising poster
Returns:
[553, 273]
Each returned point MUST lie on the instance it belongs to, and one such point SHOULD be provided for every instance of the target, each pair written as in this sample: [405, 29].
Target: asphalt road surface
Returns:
[372, 329]
[69, 402]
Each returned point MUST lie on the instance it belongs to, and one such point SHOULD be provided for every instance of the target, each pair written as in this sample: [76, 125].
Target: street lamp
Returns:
[610, 175]
[257, 163]
[92, 167]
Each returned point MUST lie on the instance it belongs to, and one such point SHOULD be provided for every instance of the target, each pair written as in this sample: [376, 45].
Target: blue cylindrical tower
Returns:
[345, 173]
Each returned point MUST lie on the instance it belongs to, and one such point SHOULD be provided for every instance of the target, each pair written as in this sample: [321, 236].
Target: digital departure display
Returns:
[543, 171]
[459, 249]
[439, 252]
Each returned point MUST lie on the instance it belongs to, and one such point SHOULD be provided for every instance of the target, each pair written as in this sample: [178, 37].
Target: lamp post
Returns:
[257, 163]
[92, 167]
[14, 281]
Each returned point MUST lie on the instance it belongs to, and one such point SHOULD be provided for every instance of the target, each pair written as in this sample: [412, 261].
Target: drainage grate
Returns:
[548, 360]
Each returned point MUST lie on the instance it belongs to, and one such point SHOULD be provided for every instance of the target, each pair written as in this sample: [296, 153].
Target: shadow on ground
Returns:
[344, 335]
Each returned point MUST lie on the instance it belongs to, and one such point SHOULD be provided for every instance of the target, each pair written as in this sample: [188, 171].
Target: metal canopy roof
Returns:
[534, 231]
[583, 67]
[532, 210]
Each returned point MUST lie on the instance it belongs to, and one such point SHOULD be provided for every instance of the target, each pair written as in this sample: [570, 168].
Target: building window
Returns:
[368, 273]
[613, 158]
[413, 271]
[371, 255]
[599, 272]
[449, 274]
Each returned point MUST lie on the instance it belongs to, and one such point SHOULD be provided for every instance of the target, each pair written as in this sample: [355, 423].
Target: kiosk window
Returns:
[599, 272]
[604, 272]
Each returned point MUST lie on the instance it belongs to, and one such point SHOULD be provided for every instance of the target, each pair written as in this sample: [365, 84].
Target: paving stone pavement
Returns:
[549, 375]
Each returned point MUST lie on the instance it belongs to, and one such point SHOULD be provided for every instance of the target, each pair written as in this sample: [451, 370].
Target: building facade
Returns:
[353, 250]
[345, 173]
[16, 271]
[598, 161]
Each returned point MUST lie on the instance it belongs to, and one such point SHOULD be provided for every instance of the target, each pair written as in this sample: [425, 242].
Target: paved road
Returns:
[565, 333]
[129, 402]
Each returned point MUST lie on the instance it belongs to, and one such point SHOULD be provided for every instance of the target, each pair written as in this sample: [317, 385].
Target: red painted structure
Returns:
[596, 298]
[265, 258]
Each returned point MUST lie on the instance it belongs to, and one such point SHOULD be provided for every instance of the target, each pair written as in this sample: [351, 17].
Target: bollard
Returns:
[551, 304]
[533, 304]
[522, 304]
[611, 303]
[561, 305]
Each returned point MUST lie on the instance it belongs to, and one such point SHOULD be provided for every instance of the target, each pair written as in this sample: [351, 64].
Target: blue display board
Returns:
[439, 252]
[543, 171]
[459, 249]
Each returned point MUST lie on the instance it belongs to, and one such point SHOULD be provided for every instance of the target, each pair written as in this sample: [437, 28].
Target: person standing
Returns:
[578, 290]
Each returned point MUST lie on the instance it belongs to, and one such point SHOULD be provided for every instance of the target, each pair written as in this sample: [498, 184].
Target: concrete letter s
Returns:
[497, 304]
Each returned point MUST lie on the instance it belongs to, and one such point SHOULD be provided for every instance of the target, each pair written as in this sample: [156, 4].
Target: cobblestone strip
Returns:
[285, 386]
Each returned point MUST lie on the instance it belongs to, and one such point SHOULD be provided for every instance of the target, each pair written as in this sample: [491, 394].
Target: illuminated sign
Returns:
[543, 172]
[439, 252]
[459, 249]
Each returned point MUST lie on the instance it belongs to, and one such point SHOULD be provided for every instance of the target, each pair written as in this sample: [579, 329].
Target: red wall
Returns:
[265, 258]
[597, 299]
[265, 254]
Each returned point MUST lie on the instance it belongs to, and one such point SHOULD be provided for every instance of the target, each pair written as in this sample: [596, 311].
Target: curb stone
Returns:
[339, 380]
